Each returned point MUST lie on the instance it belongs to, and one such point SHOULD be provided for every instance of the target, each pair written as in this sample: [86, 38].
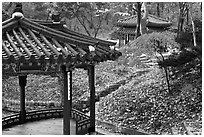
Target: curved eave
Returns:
[62, 27]
[152, 21]
[99, 41]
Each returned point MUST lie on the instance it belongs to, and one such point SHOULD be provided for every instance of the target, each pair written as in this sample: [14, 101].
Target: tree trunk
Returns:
[167, 80]
[144, 19]
[193, 26]
[181, 17]
[187, 18]
[162, 9]
[139, 6]
[181, 24]
[167, 76]
[201, 7]
[158, 11]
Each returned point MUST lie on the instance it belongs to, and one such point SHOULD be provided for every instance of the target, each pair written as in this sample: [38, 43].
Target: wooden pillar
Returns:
[22, 84]
[70, 88]
[126, 39]
[91, 73]
[120, 38]
[67, 101]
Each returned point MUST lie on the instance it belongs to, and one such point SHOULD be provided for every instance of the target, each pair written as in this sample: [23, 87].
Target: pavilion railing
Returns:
[10, 121]
[43, 114]
[82, 126]
[78, 115]
[82, 120]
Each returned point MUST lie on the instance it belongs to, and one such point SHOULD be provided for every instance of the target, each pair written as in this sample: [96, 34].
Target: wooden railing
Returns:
[82, 126]
[43, 114]
[78, 115]
[10, 121]
[82, 120]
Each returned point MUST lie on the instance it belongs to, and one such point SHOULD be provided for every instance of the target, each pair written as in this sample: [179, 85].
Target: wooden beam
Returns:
[22, 84]
[91, 73]
[67, 102]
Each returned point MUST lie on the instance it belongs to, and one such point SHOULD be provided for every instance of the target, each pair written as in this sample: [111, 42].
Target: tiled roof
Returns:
[132, 30]
[29, 45]
[152, 21]
[62, 27]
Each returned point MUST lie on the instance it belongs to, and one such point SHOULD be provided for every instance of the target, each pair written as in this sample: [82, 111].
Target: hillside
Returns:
[130, 93]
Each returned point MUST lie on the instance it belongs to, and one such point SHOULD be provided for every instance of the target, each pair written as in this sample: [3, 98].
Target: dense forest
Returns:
[155, 87]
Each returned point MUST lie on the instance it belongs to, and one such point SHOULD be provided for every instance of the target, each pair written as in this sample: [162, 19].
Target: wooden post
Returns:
[128, 38]
[125, 39]
[120, 38]
[67, 102]
[70, 88]
[91, 73]
[22, 84]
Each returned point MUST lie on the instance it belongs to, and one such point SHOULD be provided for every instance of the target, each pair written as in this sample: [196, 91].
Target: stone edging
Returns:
[119, 129]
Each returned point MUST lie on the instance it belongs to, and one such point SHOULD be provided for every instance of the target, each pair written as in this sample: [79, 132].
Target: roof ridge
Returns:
[154, 16]
[130, 17]
[80, 34]
[151, 15]
[10, 24]
[67, 30]
[25, 20]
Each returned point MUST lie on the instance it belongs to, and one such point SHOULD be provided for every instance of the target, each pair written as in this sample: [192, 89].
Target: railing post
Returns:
[91, 73]
[22, 84]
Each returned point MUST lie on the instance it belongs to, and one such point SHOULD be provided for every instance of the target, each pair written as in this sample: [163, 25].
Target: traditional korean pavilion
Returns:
[47, 48]
[127, 26]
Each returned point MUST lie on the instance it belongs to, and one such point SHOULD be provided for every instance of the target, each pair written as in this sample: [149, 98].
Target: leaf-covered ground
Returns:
[141, 102]
[144, 103]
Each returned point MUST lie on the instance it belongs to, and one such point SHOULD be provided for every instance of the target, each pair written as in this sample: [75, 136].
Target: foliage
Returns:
[189, 59]
[90, 15]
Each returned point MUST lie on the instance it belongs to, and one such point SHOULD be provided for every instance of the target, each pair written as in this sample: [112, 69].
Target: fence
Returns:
[82, 120]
